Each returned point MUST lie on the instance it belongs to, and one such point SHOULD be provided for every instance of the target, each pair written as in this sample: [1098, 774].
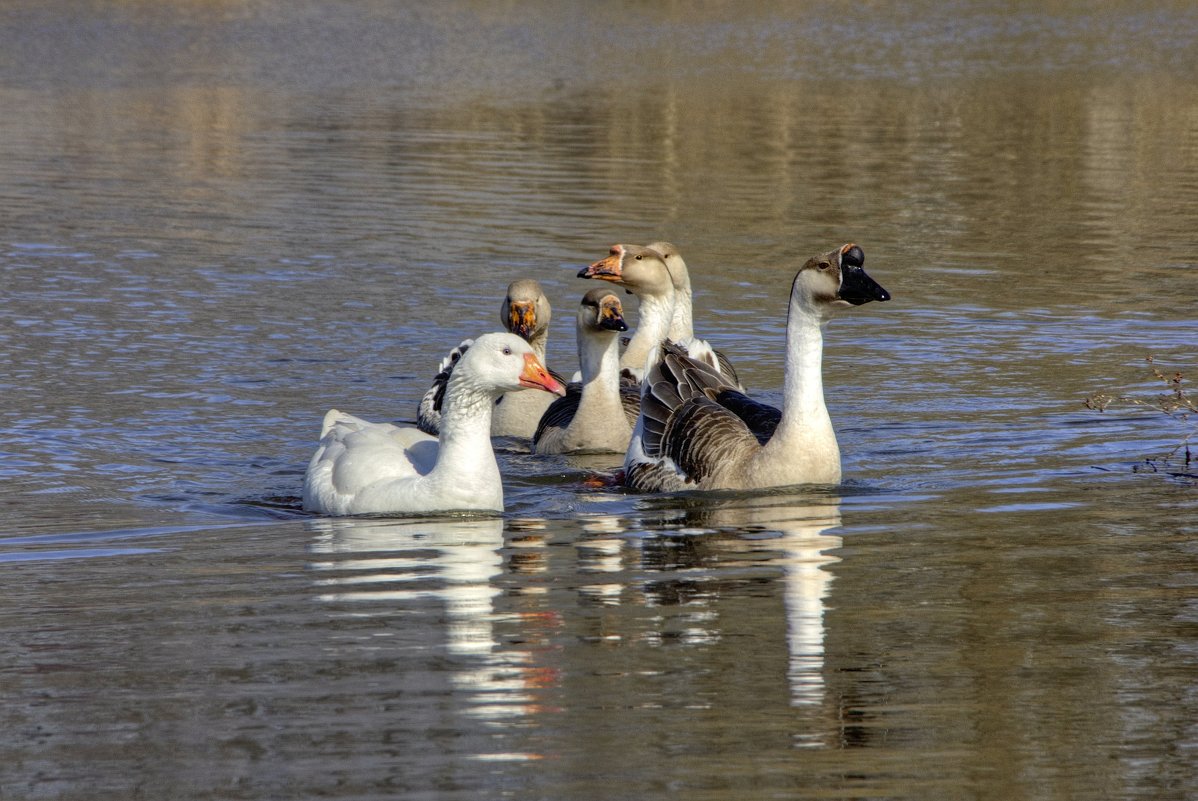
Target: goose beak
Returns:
[522, 319]
[856, 287]
[535, 376]
[609, 269]
[611, 315]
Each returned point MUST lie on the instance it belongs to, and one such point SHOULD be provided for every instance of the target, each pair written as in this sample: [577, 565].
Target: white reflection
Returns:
[802, 545]
[455, 561]
[601, 553]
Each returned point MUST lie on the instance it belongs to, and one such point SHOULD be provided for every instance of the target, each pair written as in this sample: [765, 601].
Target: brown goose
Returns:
[697, 431]
[597, 414]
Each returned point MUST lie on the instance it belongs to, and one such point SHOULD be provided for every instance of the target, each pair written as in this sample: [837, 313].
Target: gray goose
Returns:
[697, 431]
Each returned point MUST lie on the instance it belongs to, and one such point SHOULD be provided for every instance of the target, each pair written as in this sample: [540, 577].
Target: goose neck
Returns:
[653, 326]
[539, 340]
[599, 355]
[682, 326]
[465, 438]
[803, 388]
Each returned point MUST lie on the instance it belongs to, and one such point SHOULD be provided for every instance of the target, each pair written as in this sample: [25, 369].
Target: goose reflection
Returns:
[784, 531]
[600, 557]
[803, 547]
[390, 568]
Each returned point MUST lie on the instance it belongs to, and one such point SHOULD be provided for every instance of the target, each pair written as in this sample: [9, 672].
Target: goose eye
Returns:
[507, 351]
[639, 257]
[823, 265]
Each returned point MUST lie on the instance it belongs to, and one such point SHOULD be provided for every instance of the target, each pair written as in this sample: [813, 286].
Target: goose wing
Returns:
[701, 351]
[630, 399]
[674, 379]
[684, 432]
[761, 418]
[698, 438]
[559, 415]
[428, 411]
[726, 368]
[702, 437]
[703, 376]
[354, 454]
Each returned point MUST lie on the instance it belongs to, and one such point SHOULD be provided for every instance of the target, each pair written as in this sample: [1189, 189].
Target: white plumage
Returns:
[377, 468]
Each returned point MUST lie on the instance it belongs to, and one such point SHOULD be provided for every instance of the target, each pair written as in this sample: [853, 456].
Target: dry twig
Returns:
[1176, 404]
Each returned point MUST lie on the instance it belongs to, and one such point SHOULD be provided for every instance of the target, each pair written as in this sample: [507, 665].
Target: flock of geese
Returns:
[667, 400]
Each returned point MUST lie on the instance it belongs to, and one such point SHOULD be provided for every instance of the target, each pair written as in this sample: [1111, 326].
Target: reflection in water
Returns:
[455, 562]
[796, 535]
[777, 532]
[601, 554]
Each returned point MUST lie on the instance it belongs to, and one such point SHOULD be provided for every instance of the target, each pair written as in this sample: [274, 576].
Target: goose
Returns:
[682, 325]
[525, 311]
[643, 272]
[698, 432]
[597, 414]
[378, 468]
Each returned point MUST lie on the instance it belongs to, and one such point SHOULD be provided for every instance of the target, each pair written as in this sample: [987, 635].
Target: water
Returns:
[217, 220]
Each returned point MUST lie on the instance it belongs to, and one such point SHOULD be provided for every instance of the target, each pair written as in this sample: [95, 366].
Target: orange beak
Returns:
[522, 319]
[536, 376]
[609, 269]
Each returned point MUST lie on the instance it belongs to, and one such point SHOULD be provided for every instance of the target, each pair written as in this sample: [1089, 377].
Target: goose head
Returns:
[679, 275]
[601, 311]
[681, 324]
[640, 270]
[501, 362]
[835, 280]
[525, 310]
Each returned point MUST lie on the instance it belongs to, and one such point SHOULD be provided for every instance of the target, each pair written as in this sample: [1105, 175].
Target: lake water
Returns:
[219, 219]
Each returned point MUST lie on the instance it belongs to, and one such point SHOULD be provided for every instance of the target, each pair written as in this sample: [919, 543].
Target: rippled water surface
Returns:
[218, 219]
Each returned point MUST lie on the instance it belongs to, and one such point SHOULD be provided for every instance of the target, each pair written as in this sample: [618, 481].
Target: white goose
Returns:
[643, 272]
[696, 431]
[682, 324]
[597, 414]
[525, 312]
[379, 468]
